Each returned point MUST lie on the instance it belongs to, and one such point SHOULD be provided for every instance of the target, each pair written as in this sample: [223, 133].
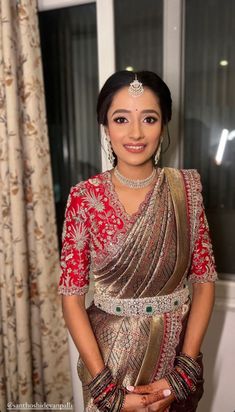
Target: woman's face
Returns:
[134, 126]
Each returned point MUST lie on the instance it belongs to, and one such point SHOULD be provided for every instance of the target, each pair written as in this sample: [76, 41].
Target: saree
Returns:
[151, 260]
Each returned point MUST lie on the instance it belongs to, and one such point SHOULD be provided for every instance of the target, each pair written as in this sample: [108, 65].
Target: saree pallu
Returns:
[151, 260]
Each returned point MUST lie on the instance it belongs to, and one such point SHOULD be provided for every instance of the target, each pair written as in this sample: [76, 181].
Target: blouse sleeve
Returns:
[75, 254]
[203, 263]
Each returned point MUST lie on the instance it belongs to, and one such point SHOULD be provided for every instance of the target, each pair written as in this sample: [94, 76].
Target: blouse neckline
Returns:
[130, 218]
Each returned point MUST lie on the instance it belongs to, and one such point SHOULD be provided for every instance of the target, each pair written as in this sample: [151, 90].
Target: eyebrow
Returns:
[129, 111]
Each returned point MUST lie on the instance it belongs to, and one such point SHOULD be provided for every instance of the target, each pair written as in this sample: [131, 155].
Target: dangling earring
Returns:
[107, 146]
[158, 152]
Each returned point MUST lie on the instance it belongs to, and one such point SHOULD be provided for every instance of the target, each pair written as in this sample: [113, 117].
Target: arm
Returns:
[74, 279]
[78, 324]
[202, 275]
[200, 313]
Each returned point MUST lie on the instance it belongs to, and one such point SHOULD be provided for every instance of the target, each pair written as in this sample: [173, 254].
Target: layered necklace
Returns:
[132, 183]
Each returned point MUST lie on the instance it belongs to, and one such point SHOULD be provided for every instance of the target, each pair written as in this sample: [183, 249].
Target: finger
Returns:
[130, 405]
[141, 388]
[161, 405]
[156, 409]
[148, 399]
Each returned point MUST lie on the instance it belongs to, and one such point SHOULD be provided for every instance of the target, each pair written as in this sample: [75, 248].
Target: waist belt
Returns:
[141, 306]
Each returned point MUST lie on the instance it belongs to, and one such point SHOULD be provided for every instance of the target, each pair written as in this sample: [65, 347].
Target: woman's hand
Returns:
[158, 387]
[142, 401]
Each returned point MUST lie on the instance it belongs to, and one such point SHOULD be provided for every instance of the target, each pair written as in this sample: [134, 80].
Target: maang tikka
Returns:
[136, 88]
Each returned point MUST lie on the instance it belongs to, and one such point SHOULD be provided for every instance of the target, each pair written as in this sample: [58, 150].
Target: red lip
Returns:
[134, 148]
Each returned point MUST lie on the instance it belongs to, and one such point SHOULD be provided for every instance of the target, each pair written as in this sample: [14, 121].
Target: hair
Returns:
[122, 79]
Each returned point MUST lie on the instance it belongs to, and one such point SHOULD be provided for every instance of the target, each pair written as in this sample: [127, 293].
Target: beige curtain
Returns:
[33, 343]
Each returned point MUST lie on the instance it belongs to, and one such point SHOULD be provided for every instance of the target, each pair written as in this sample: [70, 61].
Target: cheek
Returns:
[155, 134]
[115, 132]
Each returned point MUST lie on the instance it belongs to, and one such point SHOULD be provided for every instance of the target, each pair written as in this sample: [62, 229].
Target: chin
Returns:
[138, 162]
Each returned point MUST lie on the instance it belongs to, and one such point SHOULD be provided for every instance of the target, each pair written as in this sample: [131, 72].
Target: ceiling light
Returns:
[223, 62]
[130, 68]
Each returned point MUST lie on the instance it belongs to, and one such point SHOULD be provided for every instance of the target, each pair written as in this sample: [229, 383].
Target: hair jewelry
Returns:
[136, 88]
[135, 184]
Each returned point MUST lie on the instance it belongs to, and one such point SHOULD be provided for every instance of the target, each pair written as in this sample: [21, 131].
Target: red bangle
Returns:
[104, 393]
[186, 379]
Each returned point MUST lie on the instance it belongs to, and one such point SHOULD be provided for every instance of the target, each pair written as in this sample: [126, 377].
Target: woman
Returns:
[141, 231]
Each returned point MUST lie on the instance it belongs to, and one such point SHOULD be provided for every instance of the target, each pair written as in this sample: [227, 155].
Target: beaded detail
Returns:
[135, 184]
[96, 225]
[136, 88]
[141, 306]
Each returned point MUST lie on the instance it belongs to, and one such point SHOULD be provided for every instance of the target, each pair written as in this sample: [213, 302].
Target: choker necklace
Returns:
[132, 183]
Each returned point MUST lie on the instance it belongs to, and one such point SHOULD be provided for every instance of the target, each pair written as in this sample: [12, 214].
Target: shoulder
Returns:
[83, 192]
[191, 177]
[193, 188]
[82, 188]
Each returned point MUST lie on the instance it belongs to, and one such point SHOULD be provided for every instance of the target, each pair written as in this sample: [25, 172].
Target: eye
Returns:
[150, 120]
[120, 120]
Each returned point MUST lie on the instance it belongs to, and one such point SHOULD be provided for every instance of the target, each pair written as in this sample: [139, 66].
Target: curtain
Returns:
[33, 340]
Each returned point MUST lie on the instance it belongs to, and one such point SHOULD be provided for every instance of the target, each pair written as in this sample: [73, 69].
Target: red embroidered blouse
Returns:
[95, 220]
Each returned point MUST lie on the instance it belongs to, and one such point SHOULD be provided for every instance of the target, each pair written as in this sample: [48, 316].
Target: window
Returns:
[139, 34]
[69, 51]
[209, 142]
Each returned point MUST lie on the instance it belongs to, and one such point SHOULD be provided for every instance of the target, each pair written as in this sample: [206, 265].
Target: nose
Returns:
[136, 132]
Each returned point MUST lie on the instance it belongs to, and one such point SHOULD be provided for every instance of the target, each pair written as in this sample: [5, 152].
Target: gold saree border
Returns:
[177, 189]
[152, 351]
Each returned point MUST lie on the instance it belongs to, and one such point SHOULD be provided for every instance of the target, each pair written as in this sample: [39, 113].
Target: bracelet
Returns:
[184, 377]
[190, 362]
[100, 382]
[119, 399]
[177, 385]
[107, 391]
[187, 379]
[115, 401]
[106, 394]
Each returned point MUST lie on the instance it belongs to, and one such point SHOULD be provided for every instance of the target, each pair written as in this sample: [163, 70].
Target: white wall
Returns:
[219, 353]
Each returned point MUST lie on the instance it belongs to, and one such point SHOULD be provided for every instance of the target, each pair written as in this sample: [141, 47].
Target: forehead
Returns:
[122, 99]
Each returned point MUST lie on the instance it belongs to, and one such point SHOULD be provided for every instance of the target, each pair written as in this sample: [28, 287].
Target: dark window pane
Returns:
[69, 51]
[209, 109]
[139, 34]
